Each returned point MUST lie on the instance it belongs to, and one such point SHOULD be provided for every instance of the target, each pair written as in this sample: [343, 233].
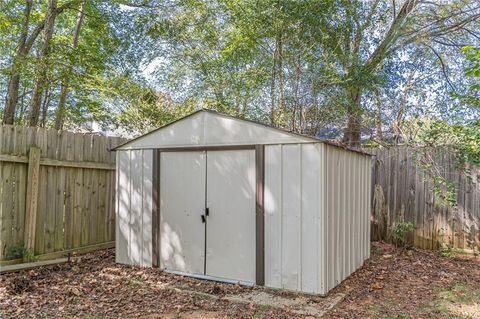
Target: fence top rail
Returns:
[56, 145]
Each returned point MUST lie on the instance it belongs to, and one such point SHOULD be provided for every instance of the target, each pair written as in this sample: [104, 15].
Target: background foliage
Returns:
[363, 71]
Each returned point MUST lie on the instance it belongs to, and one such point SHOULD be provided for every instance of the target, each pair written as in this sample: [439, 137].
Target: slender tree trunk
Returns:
[272, 86]
[378, 121]
[20, 112]
[297, 106]
[35, 103]
[352, 132]
[398, 125]
[60, 113]
[45, 105]
[14, 83]
[281, 100]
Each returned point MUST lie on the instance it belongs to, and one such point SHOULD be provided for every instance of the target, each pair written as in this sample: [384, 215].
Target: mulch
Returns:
[403, 283]
[93, 286]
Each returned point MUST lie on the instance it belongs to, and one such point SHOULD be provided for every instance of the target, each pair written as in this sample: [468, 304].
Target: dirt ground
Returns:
[393, 283]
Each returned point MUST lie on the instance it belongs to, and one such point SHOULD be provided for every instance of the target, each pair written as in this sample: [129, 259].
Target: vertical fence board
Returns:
[31, 199]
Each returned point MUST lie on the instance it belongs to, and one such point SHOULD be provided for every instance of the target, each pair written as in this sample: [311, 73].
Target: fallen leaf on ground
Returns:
[376, 286]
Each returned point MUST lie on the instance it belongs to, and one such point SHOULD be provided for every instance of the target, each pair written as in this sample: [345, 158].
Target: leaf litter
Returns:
[93, 285]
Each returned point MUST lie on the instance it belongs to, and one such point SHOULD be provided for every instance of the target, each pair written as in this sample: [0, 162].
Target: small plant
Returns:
[400, 231]
[447, 250]
[18, 251]
[29, 256]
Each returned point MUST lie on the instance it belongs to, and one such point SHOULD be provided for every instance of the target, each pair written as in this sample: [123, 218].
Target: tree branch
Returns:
[444, 67]
[31, 39]
[392, 34]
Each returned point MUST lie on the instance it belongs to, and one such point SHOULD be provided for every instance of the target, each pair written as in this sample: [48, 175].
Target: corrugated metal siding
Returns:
[347, 207]
[182, 201]
[317, 204]
[293, 220]
[134, 207]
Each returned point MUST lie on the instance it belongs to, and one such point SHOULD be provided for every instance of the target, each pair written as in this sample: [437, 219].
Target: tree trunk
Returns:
[14, 83]
[398, 124]
[60, 113]
[12, 97]
[281, 100]
[297, 108]
[378, 121]
[272, 86]
[46, 103]
[23, 107]
[352, 132]
[36, 101]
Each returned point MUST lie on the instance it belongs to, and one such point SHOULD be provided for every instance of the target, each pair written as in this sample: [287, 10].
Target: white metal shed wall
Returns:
[347, 207]
[317, 204]
[134, 207]
[294, 232]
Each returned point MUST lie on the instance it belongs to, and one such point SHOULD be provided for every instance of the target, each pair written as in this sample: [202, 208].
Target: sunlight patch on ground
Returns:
[459, 301]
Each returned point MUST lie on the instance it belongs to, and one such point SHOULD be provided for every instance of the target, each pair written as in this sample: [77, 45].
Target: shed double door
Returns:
[207, 205]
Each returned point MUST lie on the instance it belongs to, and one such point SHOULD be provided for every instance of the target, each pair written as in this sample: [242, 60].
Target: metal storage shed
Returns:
[222, 198]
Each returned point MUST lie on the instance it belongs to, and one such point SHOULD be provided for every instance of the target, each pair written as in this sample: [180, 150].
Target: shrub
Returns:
[18, 251]
[400, 231]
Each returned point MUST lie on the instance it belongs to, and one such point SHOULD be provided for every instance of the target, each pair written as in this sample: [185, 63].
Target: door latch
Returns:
[207, 211]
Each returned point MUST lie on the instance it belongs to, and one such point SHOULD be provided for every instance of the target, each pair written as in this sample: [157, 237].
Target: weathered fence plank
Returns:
[73, 197]
[31, 198]
[404, 192]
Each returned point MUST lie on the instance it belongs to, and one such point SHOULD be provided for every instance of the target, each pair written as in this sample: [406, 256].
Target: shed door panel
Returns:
[182, 202]
[231, 222]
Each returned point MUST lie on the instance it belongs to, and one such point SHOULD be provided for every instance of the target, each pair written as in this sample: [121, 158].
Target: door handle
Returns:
[203, 218]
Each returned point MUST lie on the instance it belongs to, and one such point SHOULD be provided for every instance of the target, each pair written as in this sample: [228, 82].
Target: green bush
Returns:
[18, 251]
[400, 231]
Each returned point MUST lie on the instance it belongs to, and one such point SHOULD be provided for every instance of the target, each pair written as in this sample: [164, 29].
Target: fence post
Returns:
[32, 198]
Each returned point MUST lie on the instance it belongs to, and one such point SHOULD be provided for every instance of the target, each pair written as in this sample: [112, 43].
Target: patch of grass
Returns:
[461, 293]
[135, 283]
[381, 311]
[457, 301]
[378, 250]
[259, 314]
[264, 307]
[376, 310]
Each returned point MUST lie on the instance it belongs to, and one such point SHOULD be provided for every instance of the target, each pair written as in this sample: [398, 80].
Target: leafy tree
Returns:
[308, 65]
[361, 69]
[63, 64]
[472, 95]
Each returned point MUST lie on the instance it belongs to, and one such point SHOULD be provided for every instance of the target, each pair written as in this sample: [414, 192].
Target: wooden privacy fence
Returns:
[56, 190]
[404, 183]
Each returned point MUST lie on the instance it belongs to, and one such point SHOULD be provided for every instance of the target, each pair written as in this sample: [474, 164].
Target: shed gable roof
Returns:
[210, 128]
